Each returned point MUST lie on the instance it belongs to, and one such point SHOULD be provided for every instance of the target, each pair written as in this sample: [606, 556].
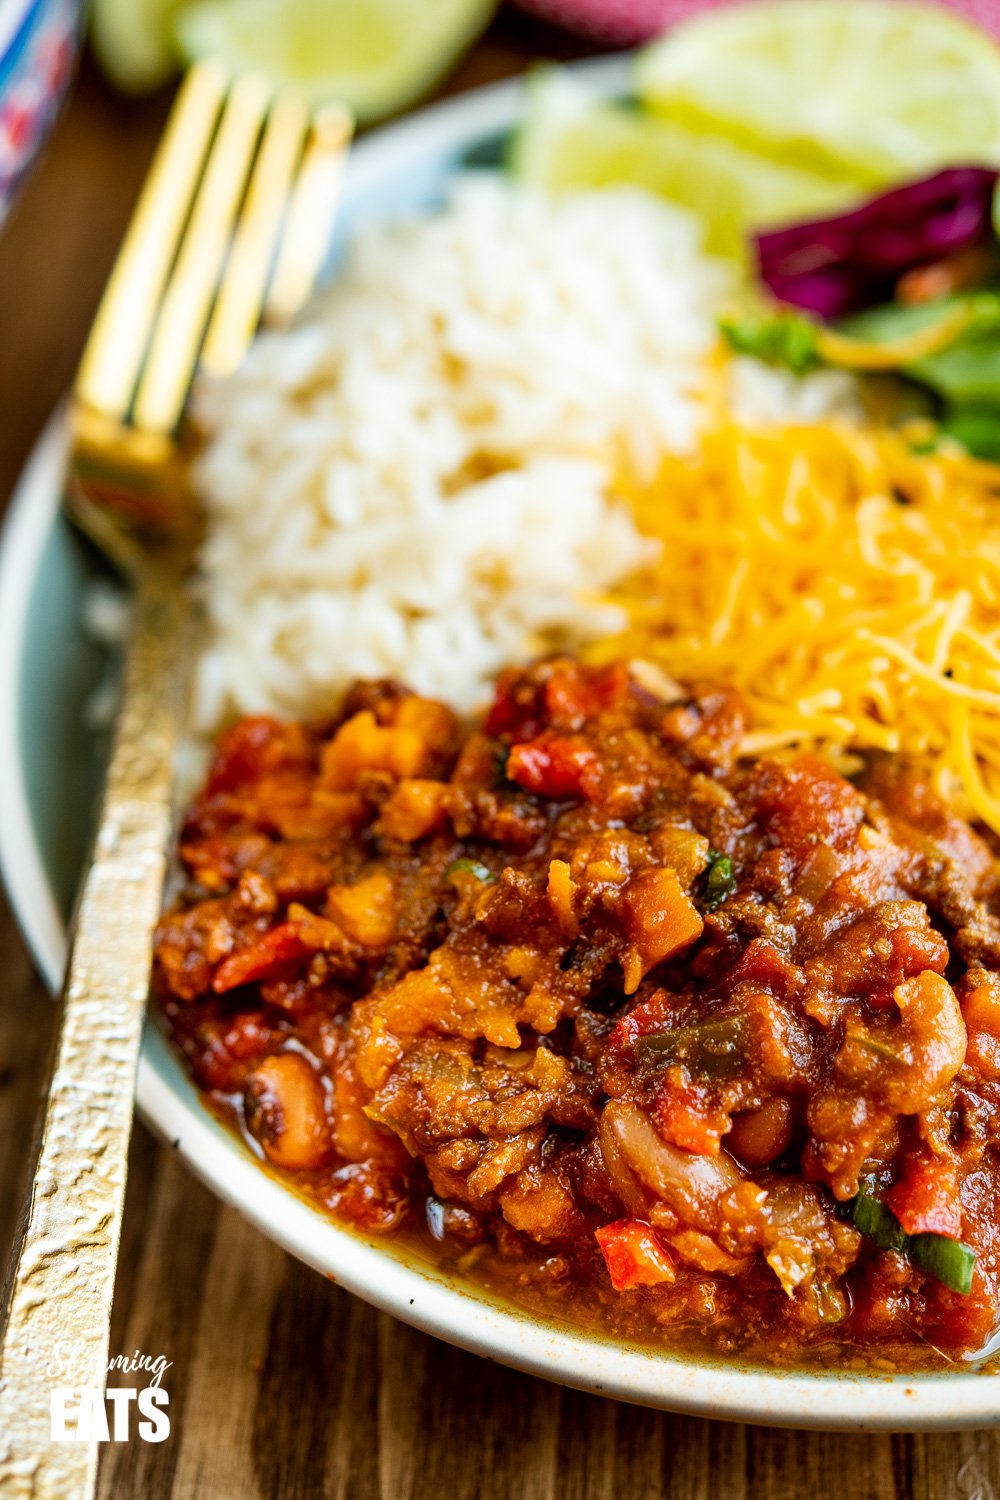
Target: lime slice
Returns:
[131, 40]
[377, 56]
[569, 139]
[881, 92]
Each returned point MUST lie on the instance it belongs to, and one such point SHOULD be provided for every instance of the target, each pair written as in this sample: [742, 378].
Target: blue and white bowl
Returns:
[39, 41]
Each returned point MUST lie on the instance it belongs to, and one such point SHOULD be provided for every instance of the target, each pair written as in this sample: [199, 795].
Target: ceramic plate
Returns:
[49, 768]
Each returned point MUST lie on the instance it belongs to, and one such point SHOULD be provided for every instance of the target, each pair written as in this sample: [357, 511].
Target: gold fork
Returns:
[230, 228]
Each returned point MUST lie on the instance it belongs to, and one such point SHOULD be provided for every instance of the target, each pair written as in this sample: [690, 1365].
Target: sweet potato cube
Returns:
[980, 997]
[415, 808]
[366, 911]
[660, 919]
[357, 746]
[560, 891]
[363, 744]
[435, 724]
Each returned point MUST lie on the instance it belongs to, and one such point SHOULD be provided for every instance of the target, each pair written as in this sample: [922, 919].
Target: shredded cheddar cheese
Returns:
[849, 586]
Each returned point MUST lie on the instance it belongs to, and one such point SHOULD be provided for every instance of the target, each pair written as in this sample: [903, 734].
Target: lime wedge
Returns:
[377, 56]
[569, 139]
[880, 92]
[131, 41]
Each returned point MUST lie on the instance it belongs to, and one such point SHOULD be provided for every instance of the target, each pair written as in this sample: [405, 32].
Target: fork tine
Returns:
[241, 295]
[310, 214]
[184, 311]
[114, 352]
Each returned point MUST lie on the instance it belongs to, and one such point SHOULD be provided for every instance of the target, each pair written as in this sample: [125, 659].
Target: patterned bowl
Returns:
[39, 40]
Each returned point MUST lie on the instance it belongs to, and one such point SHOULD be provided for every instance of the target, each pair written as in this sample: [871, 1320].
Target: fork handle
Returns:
[58, 1312]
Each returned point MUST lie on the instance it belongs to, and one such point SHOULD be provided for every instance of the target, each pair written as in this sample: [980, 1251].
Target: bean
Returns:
[285, 1111]
[759, 1136]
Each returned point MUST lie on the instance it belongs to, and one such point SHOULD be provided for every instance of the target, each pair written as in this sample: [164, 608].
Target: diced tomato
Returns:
[573, 695]
[517, 709]
[915, 949]
[954, 1321]
[633, 1255]
[925, 1200]
[253, 748]
[762, 963]
[555, 766]
[566, 698]
[654, 1014]
[266, 958]
[222, 1050]
[247, 1036]
[374, 1197]
[687, 1116]
[803, 802]
[904, 953]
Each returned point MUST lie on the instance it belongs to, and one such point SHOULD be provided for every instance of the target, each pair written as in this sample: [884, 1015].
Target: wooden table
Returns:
[283, 1387]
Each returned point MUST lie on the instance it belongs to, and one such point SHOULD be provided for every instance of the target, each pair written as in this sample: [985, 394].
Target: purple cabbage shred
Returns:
[831, 267]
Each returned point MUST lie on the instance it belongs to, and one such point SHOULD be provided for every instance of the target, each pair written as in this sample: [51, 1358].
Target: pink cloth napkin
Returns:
[623, 23]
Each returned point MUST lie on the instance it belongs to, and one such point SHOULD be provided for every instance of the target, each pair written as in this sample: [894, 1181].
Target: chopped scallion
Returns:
[877, 1222]
[719, 880]
[947, 1260]
[471, 867]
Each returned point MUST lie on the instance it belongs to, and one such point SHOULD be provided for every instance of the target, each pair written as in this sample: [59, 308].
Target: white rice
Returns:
[417, 481]
[760, 394]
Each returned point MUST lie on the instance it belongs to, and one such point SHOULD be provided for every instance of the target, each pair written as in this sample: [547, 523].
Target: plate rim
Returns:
[400, 1285]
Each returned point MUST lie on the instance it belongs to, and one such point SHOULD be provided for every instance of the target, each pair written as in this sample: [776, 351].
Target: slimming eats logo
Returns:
[79, 1413]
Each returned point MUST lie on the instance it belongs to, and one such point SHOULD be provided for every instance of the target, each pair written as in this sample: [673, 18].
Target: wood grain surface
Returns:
[281, 1386]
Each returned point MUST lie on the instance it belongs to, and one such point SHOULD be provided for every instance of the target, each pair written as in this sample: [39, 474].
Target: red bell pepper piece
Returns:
[688, 1117]
[267, 958]
[633, 1255]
